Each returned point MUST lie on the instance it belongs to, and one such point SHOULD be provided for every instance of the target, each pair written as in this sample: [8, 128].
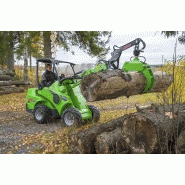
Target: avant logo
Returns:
[127, 46]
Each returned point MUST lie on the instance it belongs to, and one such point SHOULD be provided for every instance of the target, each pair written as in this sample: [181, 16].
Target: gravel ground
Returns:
[14, 126]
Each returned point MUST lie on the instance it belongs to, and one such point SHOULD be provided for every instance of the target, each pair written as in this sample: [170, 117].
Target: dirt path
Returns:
[14, 126]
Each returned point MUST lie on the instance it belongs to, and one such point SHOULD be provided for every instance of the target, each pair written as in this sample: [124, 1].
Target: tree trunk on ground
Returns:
[111, 143]
[16, 83]
[47, 44]
[180, 143]
[153, 129]
[5, 78]
[180, 135]
[113, 84]
[9, 90]
[83, 142]
[7, 72]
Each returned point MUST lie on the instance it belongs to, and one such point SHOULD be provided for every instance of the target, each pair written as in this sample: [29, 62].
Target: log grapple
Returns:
[142, 67]
[132, 65]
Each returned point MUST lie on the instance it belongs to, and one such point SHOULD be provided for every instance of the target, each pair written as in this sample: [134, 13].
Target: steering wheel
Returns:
[79, 72]
[62, 76]
[70, 78]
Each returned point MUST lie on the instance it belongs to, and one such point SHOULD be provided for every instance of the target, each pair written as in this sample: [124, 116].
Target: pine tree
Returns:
[3, 49]
[170, 33]
[91, 42]
[47, 44]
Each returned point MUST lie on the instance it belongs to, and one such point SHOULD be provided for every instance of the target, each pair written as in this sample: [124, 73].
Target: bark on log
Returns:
[153, 128]
[111, 143]
[5, 78]
[180, 143]
[10, 90]
[113, 84]
[7, 72]
[17, 83]
[83, 142]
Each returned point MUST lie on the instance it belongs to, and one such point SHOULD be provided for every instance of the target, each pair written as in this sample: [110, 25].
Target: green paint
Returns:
[68, 90]
[137, 65]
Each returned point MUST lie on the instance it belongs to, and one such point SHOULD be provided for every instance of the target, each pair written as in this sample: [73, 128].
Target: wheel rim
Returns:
[69, 119]
[39, 113]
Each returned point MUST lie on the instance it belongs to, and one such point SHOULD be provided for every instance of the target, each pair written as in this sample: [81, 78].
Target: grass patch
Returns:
[13, 102]
[122, 101]
[109, 115]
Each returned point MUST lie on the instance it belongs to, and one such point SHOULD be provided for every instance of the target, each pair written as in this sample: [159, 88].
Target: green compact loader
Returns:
[62, 99]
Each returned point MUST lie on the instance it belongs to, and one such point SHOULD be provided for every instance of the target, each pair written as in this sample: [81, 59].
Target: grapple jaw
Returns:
[142, 67]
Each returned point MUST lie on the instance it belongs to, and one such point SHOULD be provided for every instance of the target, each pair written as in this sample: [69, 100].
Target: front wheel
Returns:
[41, 113]
[95, 112]
[71, 116]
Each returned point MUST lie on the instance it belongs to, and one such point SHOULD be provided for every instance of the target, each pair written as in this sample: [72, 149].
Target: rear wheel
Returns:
[95, 112]
[41, 113]
[71, 116]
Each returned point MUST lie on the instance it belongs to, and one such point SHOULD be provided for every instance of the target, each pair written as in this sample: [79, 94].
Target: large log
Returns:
[154, 128]
[180, 143]
[116, 83]
[83, 142]
[8, 87]
[111, 143]
[7, 72]
[17, 83]
[9, 90]
[5, 77]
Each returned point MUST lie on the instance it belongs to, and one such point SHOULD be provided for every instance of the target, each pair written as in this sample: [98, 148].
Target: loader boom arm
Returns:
[118, 51]
[135, 42]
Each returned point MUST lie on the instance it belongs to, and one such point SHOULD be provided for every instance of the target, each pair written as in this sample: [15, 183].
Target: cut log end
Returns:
[110, 143]
[139, 134]
[180, 143]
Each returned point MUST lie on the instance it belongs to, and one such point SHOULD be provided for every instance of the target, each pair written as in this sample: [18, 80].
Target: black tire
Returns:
[71, 116]
[41, 114]
[95, 112]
